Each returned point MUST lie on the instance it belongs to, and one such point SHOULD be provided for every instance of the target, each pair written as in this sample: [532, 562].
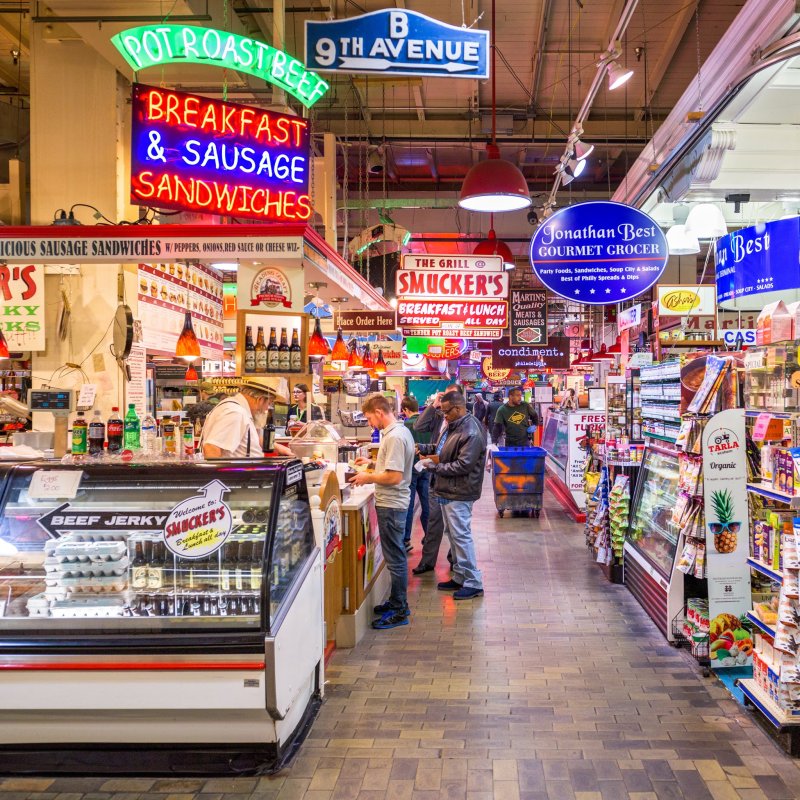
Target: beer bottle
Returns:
[261, 352]
[284, 356]
[249, 351]
[139, 568]
[115, 430]
[255, 565]
[273, 353]
[268, 445]
[155, 571]
[295, 353]
[79, 435]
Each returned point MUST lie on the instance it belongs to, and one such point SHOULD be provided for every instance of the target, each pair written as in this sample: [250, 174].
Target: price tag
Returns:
[54, 484]
[87, 395]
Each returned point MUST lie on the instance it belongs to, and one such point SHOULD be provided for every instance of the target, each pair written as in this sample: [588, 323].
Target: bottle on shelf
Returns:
[269, 435]
[295, 353]
[148, 435]
[261, 352]
[157, 566]
[80, 435]
[284, 354]
[273, 353]
[169, 437]
[115, 431]
[139, 567]
[97, 434]
[187, 439]
[249, 351]
[132, 439]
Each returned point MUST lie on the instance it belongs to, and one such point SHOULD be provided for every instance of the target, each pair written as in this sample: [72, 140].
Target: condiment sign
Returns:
[528, 317]
[193, 153]
[157, 45]
[22, 306]
[199, 525]
[397, 42]
[554, 356]
[686, 301]
[366, 321]
[599, 252]
[452, 295]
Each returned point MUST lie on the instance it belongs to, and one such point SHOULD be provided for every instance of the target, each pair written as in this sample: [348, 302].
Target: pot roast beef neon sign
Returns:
[191, 152]
[156, 45]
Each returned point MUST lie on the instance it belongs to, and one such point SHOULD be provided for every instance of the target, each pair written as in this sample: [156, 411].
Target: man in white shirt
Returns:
[234, 427]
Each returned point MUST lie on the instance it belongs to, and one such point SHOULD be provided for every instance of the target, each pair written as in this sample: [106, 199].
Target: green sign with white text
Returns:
[156, 45]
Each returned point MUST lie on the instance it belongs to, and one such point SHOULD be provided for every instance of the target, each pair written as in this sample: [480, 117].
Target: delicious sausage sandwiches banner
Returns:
[460, 296]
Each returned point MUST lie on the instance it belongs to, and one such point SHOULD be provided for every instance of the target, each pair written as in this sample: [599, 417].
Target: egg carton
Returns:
[83, 552]
[39, 605]
[85, 569]
[90, 585]
[95, 536]
[109, 606]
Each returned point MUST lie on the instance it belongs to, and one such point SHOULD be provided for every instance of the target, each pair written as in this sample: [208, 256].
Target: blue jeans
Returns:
[420, 483]
[391, 523]
[458, 526]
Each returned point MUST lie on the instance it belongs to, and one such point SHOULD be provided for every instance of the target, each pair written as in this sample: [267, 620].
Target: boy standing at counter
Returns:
[392, 479]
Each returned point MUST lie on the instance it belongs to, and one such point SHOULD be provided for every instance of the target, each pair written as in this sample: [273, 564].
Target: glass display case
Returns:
[124, 550]
[769, 370]
[651, 530]
[633, 405]
[555, 439]
[616, 423]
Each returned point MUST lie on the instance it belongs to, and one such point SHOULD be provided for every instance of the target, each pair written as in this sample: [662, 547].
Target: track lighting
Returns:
[375, 161]
[617, 75]
[570, 168]
[579, 149]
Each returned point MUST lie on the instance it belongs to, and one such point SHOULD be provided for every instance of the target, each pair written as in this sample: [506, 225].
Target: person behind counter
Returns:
[569, 402]
[233, 427]
[299, 407]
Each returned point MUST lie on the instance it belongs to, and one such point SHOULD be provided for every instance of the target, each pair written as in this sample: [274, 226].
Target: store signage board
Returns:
[555, 356]
[528, 317]
[193, 153]
[199, 525]
[686, 301]
[433, 347]
[397, 42]
[361, 321]
[67, 519]
[757, 265]
[159, 45]
[629, 318]
[733, 337]
[727, 523]
[22, 305]
[136, 387]
[493, 373]
[599, 252]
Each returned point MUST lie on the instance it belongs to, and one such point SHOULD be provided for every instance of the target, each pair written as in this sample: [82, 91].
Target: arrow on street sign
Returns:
[380, 64]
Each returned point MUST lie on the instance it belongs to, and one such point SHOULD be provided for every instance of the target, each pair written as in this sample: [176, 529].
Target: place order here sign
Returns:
[440, 295]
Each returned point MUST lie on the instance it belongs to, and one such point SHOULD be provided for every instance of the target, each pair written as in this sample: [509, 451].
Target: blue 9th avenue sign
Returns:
[599, 252]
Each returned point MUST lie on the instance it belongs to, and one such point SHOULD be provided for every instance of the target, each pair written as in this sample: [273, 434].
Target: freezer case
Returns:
[167, 617]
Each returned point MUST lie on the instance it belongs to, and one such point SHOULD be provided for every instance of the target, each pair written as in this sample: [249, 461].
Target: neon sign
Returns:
[156, 45]
[194, 153]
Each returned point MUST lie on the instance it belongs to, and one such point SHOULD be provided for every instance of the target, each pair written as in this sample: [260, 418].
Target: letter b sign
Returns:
[398, 25]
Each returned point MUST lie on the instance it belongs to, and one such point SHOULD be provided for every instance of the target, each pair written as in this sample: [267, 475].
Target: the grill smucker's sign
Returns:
[193, 153]
[22, 306]
[199, 526]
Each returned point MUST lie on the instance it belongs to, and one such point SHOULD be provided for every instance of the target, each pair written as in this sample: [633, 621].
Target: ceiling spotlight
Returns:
[577, 147]
[570, 168]
[617, 75]
[706, 221]
[375, 161]
[393, 302]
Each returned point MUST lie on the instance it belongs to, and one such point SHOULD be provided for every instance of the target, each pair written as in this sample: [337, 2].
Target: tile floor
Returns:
[553, 686]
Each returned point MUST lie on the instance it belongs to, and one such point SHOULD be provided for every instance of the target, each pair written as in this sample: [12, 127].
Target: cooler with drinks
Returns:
[157, 618]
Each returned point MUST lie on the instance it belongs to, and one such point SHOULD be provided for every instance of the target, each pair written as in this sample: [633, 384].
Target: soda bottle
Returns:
[115, 431]
[97, 434]
[132, 429]
[148, 435]
[79, 435]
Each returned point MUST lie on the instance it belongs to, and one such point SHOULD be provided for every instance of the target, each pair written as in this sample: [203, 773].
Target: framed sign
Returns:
[686, 301]
[554, 356]
[528, 317]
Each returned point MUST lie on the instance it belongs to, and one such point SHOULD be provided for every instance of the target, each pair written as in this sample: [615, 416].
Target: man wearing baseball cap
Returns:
[233, 428]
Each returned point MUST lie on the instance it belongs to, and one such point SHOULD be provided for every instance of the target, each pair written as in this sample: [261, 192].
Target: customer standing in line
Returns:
[420, 480]
[494, 406]
[392, 478]
[432, 421]
[456, 461]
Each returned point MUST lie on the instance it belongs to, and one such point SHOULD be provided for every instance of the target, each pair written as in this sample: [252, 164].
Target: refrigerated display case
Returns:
[157, 617]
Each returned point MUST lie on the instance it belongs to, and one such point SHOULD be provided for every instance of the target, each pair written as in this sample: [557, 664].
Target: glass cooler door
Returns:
[652, 531]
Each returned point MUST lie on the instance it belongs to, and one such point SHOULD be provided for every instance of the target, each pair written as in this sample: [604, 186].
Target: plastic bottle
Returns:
[132, 429]
[376, 436]
[97, 434]
[114, 431]
[148, 435]
[169, 437]
[79, 435]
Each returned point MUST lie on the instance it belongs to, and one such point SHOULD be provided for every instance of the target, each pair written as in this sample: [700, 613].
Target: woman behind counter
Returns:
[299, 407]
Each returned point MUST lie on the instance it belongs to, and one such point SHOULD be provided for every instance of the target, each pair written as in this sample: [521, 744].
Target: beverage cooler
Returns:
[157, 618]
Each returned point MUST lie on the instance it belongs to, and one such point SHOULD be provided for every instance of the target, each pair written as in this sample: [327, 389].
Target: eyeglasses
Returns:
[449, 411]
[719, 527]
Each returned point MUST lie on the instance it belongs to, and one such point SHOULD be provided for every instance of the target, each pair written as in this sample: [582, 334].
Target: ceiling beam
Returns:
[15, 34]
[419, 100]
[539, 50]
[432, 163]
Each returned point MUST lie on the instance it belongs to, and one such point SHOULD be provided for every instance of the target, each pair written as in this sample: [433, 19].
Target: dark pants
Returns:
[433, 536]
[420, 483]
[391, 523]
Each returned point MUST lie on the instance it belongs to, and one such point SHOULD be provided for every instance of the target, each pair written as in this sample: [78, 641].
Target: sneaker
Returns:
[467, 593]
[385, 608]
[421, 569]
[448, 586]
[391, 619]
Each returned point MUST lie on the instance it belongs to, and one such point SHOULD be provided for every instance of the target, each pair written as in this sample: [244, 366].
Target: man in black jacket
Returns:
[456, 461]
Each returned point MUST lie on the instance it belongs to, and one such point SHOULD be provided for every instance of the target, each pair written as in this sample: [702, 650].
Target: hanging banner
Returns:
[629, 318]
[686, 301]
[599, 252]
[397, 42]
[553, 357]
[528, 317]
[22, 307]
[727, 536]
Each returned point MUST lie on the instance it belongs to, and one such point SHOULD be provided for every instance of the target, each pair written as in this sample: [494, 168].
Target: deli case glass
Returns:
[146, 581]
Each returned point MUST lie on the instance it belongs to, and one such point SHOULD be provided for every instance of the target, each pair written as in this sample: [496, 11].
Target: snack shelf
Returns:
[792, 500]
[766, 705]
[760, 566]
[660, 437]
[762, 626]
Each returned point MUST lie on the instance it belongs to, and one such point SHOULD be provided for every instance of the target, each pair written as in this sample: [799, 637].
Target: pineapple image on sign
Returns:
[725, 528]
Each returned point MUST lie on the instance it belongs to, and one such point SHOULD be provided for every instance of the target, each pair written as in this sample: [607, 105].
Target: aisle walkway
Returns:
[553, 686]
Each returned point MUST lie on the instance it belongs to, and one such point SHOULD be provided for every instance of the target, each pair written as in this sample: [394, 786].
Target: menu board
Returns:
[166, 292]
[528, 316]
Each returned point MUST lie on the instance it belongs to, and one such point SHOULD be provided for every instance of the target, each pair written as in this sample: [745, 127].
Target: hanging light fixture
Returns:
[340, 352]
[191, 374]
[617, 75]
[317, 345]
[492, 246]
[494, 185]
[616, 348]
[188, 348]
[570, 168]
[380, 364]
[601, 355]
[4, 353]
[580, 150]
[706, 221]
[681, 243]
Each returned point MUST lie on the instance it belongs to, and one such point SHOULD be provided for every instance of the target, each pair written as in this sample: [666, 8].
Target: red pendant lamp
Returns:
[340, 353]
[494, 185]
[188, 348]
[191, 374]
[492, 246]
[317, 346]
[601, 355]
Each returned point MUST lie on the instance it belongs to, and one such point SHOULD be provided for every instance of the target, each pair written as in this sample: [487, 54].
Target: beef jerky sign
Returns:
[529, 317]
